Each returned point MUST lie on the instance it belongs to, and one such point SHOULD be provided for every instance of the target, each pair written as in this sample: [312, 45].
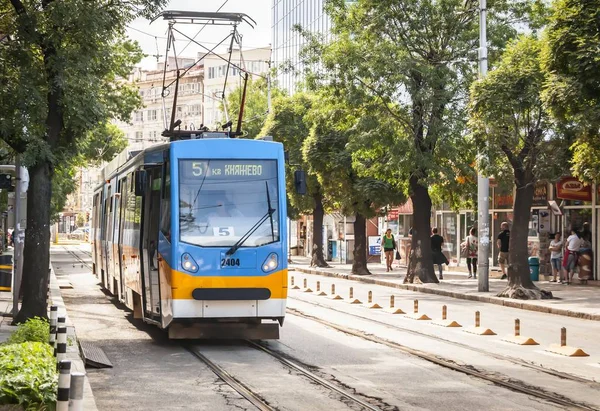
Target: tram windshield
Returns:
[221, 201]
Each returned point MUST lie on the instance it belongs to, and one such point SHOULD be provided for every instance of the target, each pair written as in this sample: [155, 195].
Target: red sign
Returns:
[406, 208]
[569, 188]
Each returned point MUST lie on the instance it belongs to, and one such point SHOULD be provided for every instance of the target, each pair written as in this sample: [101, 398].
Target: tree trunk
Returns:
[420, 262]
[318, 260]
[36, 257]
[359, 265]
[520, 285]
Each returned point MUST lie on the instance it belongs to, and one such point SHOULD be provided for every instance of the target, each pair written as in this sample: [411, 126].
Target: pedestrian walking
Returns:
[573, 244]
[436, 251]
[503, 243]
[470, 247]
[389, 246]
[556, 256]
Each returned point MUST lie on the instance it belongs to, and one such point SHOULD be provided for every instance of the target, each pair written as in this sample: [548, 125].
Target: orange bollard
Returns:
[477, 319]
[416, 306]
[444, 312]
[563, 337]
[517, 327]
[391, 301]
[370, 298]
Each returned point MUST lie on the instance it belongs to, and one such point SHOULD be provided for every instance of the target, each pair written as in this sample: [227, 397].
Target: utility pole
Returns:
[17, 239]
[483, 183]
[269, 86]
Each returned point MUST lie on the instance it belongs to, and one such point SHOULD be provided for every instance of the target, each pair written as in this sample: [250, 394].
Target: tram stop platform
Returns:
[575, 300]
[73, 353]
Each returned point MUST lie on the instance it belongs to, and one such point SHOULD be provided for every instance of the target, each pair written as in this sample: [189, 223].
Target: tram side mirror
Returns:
[140, 182]
[300, 181]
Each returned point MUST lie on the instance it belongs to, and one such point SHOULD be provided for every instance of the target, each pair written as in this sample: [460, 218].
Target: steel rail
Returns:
[240, 388]
[517, 361]
[315, 378]
[80, 260]
[534, 391]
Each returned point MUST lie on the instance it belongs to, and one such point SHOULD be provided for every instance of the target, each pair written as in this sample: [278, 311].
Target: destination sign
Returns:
[227, 169]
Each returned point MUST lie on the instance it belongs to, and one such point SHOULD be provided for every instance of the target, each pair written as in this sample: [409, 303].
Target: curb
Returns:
[426, 290]
[73, 354]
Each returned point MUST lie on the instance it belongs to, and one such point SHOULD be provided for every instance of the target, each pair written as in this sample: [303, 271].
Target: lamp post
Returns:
[483, 183]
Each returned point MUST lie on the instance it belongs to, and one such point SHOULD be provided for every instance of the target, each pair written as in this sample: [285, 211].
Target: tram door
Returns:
[151, 221]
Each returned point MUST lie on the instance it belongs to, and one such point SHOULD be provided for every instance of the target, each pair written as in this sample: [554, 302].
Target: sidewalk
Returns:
[77, 365]
[572, 301]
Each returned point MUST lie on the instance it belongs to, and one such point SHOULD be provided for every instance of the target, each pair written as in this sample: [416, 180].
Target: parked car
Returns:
[78, 234]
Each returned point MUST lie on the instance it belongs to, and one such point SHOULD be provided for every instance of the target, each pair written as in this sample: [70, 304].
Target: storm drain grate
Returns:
[94, 356]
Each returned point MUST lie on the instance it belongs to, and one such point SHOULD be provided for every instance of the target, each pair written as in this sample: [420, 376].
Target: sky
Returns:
[156, 33]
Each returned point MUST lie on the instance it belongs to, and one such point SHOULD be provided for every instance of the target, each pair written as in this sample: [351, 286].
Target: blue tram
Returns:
[190, 235]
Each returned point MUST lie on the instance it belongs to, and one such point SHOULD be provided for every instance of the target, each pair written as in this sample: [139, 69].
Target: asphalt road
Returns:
[152, 372]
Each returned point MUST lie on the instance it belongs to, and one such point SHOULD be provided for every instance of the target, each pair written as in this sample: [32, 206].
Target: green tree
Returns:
[329, 154]
[289, 122]
[61, 61]
[510, 122]
[570, 55]
[414, 61]
[256, 107]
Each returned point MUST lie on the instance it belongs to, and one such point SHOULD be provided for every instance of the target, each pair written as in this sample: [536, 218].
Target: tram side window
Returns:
[165, 221]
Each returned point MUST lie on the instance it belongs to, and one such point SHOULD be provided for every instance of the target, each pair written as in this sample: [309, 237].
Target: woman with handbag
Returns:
[469, 249]
[389, 245]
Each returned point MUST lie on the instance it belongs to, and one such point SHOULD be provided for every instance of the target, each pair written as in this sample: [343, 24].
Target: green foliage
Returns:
[28, 375]
[256, 107]
[329, 153]
[33, 330]
[289, 123]
[570, 57]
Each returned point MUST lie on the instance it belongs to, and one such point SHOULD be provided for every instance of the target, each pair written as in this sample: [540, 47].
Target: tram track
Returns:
[257, 400]
[499, 380]
[233, 382]
[515, 361]
[79, 259]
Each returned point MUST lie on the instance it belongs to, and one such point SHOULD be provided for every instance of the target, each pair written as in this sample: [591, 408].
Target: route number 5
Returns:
[197, 169]
[223, 231]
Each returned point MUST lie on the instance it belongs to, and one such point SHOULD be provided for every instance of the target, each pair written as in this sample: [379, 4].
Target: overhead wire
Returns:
[203, 27]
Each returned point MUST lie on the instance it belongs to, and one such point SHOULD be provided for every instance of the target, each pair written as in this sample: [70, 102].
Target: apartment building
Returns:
[254, 61]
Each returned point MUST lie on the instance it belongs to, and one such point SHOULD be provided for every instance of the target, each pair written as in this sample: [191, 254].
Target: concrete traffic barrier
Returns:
[306, 288]
[319, 292]
[76, 392]
[518, 338]
[370, 303]
[61, 344]
[53, 321]
[61, 322]
[64, 384]
[392, 309]
[564, 349]
[351, 299]
[445, 322]
[294, 287]
[333, 295]
[478, 329]
[415, 315]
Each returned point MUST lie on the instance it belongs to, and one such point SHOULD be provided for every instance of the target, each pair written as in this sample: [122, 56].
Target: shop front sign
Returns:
[540, 195]
[570, 188]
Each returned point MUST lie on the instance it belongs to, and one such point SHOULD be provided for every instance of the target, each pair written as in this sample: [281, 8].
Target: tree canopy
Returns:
[62, 62]
[572, 93]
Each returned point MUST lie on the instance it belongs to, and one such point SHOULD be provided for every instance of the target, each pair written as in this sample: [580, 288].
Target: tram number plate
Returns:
[222, 231]
[230, 262]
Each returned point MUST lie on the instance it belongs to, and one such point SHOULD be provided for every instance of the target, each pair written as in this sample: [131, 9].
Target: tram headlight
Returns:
[270, 263]
[188, 263]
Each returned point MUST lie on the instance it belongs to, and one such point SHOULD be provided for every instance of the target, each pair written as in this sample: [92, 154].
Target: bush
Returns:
[33, 330]
[28, 375]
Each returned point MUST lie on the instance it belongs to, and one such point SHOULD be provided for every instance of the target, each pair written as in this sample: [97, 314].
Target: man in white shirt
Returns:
[573, 244]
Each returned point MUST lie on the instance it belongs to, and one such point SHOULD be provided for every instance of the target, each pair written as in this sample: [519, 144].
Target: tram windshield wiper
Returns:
[268, 215]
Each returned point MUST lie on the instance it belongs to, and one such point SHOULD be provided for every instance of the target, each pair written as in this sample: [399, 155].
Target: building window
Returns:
[211, 72]
[138, 136]
[139, 116]
[151, 115]
[194, 110]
